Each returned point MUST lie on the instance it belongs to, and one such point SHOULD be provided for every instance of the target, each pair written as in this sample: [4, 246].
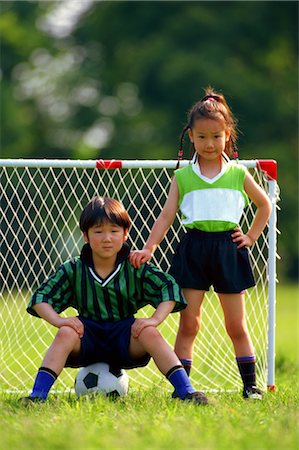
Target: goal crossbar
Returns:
[269, 166]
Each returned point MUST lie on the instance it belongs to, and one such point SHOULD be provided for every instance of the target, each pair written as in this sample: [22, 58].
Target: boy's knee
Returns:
[67, 333]
[149, 333]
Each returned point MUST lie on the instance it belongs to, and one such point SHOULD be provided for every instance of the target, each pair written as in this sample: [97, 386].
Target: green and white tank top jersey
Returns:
[214, 204]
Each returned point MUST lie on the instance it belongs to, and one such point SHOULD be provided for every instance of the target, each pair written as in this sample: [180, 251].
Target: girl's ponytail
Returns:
[181, 150]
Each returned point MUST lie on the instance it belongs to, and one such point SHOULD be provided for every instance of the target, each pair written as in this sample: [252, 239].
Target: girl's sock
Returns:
[44, 380]
[180, 381]
[246, 365]
[187, 364]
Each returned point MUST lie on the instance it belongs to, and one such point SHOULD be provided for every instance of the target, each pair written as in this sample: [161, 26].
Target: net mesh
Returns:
[40, 208]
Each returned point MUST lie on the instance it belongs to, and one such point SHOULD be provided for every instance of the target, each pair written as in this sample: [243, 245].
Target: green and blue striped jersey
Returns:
[120, 295]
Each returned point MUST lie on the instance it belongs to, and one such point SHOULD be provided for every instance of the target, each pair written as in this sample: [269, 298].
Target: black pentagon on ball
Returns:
[91, 380]
[116, 371]
[113, 395]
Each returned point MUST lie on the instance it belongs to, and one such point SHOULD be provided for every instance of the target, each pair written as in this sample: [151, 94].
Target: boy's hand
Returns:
[139, 257]
[140, 324]
[243, 240]
[46, 312]
[72, 322]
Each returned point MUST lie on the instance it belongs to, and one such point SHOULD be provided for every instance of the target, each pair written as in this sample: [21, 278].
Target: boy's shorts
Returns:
[203, 259]
[106, 342]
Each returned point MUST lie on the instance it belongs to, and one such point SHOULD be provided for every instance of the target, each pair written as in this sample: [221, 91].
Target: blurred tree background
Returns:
[114, 79]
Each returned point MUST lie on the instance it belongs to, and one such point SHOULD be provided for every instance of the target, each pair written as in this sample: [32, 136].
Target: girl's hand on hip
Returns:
[243, 240]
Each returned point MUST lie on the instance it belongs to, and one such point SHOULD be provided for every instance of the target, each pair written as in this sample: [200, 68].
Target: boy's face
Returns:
[105, 239]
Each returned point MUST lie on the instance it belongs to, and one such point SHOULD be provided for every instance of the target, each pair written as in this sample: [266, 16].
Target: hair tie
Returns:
[180, 154]
[236, 155]
[211, 99]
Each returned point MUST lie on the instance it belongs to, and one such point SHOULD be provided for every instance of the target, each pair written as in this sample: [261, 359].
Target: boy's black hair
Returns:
[101, 209]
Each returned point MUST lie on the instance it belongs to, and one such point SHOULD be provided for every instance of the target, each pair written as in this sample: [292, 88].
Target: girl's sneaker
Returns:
[252, 392]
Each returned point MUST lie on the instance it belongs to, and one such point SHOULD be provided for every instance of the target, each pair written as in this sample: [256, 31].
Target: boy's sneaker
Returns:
[252, 392]
[197, 397]
[175, 394]
[26, 401]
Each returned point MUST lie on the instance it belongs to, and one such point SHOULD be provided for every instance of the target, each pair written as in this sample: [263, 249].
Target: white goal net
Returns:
[41, 201]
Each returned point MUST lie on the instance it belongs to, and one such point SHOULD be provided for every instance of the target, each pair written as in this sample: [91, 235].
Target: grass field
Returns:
[149, 419]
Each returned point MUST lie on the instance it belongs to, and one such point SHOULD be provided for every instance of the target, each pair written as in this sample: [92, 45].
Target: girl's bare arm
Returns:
[160, 227]
[262, 202]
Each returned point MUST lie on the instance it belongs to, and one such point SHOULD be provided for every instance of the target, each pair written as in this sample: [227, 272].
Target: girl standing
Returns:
[211, 193]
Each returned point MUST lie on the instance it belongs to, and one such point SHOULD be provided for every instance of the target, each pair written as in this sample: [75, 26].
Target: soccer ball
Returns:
[101, 378]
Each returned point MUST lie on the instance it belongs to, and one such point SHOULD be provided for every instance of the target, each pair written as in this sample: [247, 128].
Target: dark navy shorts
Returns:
[203, 259]
[106, 342]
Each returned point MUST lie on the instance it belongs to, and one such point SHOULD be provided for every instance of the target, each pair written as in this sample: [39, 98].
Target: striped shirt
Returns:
[119, 296]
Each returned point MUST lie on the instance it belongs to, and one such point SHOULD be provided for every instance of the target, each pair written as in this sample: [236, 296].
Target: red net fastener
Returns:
[269, 167]
[108, 164]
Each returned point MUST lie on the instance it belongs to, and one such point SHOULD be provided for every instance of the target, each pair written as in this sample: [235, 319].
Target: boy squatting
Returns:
[107, 291]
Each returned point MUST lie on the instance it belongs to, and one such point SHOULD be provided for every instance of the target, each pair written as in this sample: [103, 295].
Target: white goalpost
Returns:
[41, 201]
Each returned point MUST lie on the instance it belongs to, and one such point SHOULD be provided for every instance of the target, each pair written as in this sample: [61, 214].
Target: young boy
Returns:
[107, 291]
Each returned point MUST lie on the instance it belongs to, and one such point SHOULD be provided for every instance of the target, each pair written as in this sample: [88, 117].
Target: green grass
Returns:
[149, 419]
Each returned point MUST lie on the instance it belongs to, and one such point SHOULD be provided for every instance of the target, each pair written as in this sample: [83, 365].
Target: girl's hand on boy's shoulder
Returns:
[243, 240]
[140, 324]
[139, 257]
[72, 322]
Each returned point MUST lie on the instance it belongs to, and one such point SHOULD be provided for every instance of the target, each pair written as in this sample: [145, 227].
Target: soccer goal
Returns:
[41, 201]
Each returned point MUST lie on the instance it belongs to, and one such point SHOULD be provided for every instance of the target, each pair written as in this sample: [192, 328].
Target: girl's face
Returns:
[209, 138]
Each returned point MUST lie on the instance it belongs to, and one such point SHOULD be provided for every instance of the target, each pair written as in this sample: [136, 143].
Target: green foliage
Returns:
[118, 82]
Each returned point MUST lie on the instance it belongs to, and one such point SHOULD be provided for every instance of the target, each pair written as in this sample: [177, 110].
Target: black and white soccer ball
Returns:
[101, 378]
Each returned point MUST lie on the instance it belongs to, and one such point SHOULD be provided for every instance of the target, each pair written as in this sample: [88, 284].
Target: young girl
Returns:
[211, 194]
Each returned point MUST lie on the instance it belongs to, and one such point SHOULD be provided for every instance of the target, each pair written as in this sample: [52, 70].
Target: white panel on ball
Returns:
[101, 378]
